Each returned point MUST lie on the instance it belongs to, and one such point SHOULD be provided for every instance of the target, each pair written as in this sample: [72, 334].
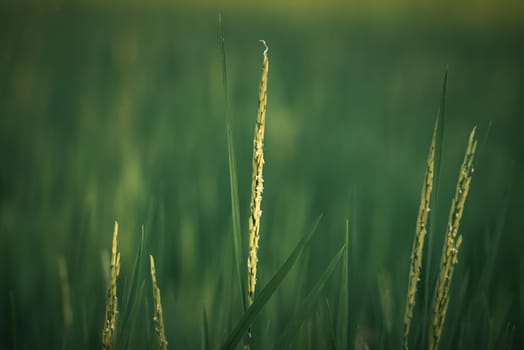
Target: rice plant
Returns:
[115, 120]
[158, 317]
[110, 323]
[420, 235]
[451, 246]
[257, 182]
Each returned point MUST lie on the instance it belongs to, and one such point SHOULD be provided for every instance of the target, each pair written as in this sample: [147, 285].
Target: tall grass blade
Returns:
[265, 294]
[330, 327]
[308, 304]
[441, 120]
[233, 180]
[131, 300]
[132, 336]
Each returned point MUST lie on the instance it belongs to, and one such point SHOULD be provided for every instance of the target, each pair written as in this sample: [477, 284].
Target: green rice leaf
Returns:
[233, 181]
[308, 305]
[330, 327]
[439, 133]
[265, 294]
[132, 336]
[130, 302]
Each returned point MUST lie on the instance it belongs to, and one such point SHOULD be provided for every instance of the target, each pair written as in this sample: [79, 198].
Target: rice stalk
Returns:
[109, 329]
[420, 234]
[233, 182]
[257, 182]
[451, 245]
[158, 315]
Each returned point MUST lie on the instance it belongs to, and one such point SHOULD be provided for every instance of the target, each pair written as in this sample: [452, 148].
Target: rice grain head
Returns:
[257, 181]
[420, 235]
[451, 245]
[158, 317]
[109, 329]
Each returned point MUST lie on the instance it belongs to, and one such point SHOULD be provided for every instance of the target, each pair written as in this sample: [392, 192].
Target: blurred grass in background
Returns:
[116, 112]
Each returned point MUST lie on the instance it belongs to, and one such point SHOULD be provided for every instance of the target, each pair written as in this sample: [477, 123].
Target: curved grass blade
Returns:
[233, 181]
[128, 309]
[265, 294]
[132, 336]
[330, 327]
[308, 305]
[436, 182]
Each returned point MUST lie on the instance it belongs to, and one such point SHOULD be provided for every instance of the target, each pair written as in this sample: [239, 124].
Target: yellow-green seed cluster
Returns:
[451, 245]
[158, 317]
[257, 181]
[420, 234]
[112, 299]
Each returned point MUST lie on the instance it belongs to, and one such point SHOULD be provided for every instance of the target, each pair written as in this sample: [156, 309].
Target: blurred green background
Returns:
[116, 112]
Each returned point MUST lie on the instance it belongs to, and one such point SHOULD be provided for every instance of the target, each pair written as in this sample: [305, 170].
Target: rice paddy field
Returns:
[121, 113]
